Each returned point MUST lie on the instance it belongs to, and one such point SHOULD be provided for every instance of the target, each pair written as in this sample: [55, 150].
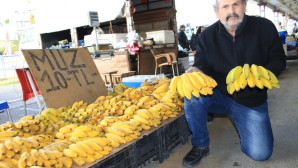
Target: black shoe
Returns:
[194, 157]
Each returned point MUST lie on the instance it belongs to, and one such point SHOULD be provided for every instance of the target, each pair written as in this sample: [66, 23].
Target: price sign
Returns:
[65, 75]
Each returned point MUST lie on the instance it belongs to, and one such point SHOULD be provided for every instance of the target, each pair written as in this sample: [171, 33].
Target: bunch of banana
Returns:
[195, 83]
[9, 163]
[120, 88]
[49, 156]
[8, 134]
[121, 132]
[54, 128]
[148, 118]
[254, 76]
[49, 116]
[144, 100]
[159, 82]
[172, 100]
[163, 111]
[83, 132]
[134, 95]
[161, 89]
[87, 151]
[66, 131]
[80, 104]
[146, 83]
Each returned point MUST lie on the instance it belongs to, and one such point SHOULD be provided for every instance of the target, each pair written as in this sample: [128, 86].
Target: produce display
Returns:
[253, 76]
[195, 83]
[83, 133]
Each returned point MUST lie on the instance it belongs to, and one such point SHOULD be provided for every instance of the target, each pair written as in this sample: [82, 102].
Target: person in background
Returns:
[235, 39]
[194, 38]
[183, 49]
[295, 28]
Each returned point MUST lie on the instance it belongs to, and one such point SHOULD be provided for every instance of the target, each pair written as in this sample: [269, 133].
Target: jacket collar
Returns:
[222, 29]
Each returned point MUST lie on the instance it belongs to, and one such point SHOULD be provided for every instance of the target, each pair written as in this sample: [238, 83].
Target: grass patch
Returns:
[5, 82]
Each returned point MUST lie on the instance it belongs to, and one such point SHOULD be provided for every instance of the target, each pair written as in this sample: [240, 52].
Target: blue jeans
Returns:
[253, 123]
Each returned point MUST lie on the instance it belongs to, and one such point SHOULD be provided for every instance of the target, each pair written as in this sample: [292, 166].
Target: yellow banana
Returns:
[70, 153]
[89, 159]
[67, 161]
[196, 94]
[273, 78]
[264, 73]
[276, 85]
[79, 133]
[114, 143]
[116, 131]
[141, 119]
[255, 71]
[251, 81]
[236, 73]
[236, 84]
[79, 161]
[173, 84]
[115, 137]
[242, 81]
[97, 155]
[266, 83]
[228, 78]
[78, 149]
[86, 148]
[230, 88]
[94, 145]
[259, 83]
[246, 71]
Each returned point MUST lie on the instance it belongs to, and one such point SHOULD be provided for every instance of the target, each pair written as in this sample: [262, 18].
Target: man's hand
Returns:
[193, 69]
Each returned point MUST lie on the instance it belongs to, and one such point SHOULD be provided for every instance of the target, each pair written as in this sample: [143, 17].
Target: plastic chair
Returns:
[171, 59]
[28, 91]
[4, 106]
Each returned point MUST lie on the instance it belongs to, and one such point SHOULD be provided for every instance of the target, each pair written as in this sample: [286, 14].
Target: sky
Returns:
[195, 12]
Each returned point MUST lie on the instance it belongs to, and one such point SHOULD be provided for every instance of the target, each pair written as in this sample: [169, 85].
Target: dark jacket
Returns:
[183, 41]
[193, 42]
[256, 42]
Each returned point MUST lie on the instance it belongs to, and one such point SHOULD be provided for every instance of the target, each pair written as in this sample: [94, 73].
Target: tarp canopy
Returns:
[58, 15]
[283, 6]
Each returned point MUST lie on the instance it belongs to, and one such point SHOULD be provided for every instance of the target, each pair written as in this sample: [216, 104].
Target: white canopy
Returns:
[58, 15]
[283, 6]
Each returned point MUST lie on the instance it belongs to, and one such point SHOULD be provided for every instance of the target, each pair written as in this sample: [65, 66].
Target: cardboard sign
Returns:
[65, 76]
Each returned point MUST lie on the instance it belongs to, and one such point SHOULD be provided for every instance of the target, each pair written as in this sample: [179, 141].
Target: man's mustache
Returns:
[232, 15]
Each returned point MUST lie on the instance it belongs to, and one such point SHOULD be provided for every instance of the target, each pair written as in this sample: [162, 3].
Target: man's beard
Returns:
[232, 27]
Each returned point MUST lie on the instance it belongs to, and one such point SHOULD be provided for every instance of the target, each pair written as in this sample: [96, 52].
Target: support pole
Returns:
[33, 88]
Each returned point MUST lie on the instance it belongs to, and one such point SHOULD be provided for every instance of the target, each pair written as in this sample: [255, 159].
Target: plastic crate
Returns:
[122, 159]
[173, 134]
[147, 148]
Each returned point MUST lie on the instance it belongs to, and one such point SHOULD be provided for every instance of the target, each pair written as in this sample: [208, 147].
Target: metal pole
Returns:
[33, 87]
[95, 30]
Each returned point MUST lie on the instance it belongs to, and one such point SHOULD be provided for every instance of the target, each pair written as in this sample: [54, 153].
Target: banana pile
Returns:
[253, 76]
[83, 133]
[195, 83]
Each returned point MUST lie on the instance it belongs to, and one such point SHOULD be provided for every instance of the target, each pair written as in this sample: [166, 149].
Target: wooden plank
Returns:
[151, 16]
[65, 75]
[119, 62]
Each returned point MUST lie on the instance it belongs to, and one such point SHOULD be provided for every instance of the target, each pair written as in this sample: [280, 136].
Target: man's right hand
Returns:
[193, 69]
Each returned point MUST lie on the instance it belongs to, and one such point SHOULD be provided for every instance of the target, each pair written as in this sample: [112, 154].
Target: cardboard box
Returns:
[162, 36]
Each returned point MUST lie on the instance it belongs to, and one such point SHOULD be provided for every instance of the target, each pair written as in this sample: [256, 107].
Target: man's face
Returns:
[182, 29]
[230, 13]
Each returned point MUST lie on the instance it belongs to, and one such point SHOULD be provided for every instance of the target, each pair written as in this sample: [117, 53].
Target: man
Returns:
[234, 40]
[183, 48]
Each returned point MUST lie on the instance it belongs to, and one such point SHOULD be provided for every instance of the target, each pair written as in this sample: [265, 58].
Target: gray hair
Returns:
[215, 6]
